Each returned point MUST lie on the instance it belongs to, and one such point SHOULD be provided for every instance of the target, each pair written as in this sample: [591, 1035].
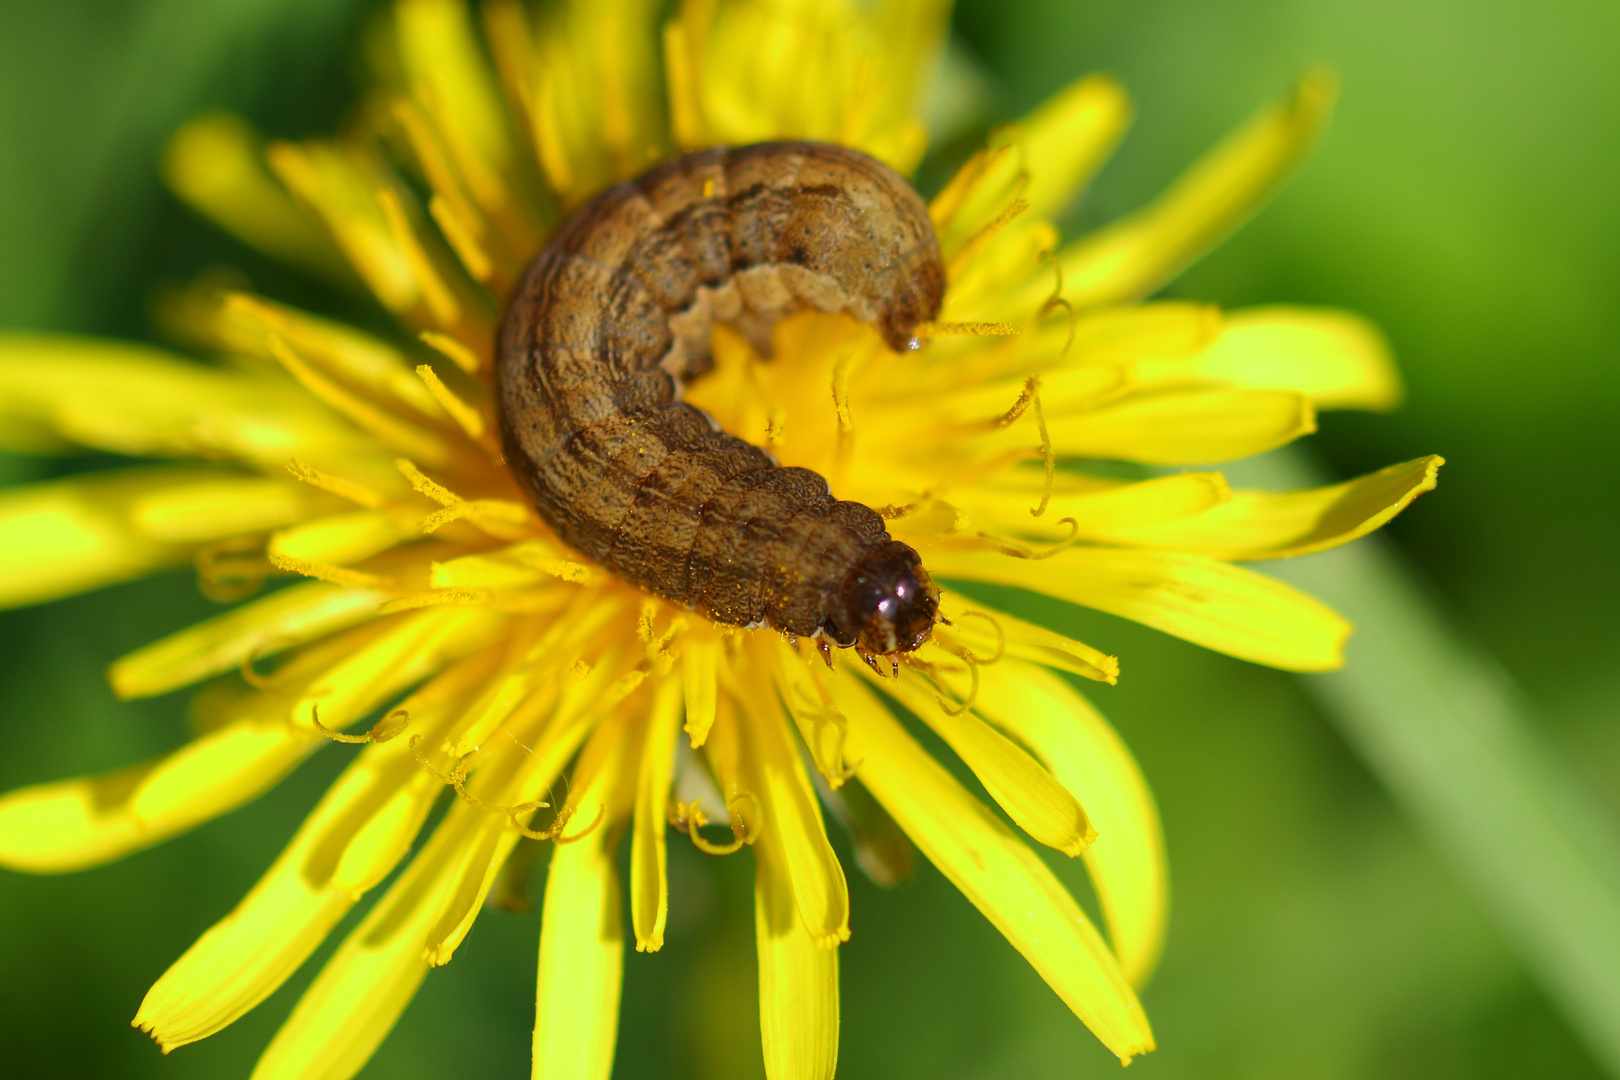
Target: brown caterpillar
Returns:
[621, 303]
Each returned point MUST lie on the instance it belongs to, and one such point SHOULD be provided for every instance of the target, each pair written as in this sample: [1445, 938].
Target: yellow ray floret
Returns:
[341, 539]
[1001, 876]
[253, 631]
[70, 535]
[361, 828]
[1133, 257]
[1276, 524]
[72, 824]
[755, 70]
[215, 163]
[1127, 859]
[798, 978]
[992, 634]
[1067, 138]
[1018, 783]
[769, 768]
[451, 89]
[1101, 513]
[649, 885]
[581, 933]
[248, 325]
[143, 402]
[1207, 602]
[1338, 360]
[358, 995]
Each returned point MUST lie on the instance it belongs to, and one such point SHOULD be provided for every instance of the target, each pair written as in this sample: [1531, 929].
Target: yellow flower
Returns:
[447, 630]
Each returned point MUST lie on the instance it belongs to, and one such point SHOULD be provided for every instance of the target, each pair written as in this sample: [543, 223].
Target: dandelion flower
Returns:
[435, 623]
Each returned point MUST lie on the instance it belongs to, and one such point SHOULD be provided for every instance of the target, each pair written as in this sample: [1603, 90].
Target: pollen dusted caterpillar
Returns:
[619, 306]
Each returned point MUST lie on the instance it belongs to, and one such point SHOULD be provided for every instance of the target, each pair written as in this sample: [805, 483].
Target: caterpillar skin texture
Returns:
[620, 305]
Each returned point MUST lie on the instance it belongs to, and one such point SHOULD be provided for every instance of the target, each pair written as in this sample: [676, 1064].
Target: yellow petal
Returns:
[581, 963]
[1069, 399]
[1210, 603]
[360, 993]
[341, 539]
[540, 663]
[67, 536]
[244, 323]
[978, 289]
[773, 769]
[724, 752]
[526, 771]
[911, 36]
[1108, 343]
[988, 632]
[1127, 861]
[242, 959]
[993, 869]
[700, 665]
[225, 505]
[649, 884]
[529, 667]
[451, 81]
[73, 824]
[683, 55]
[798, 979]
[488, 843]
[805, 684]
[581, 934]
[856, 83]
[523, 563]
[1184, 426]
[1067, 137]
[1131, 333]
[358, 996]
[982, 191]
[1275, 524]
[383, 424]
[90, 530]
[376, 806]
[1167, 498]
[408, 650]
[258, 629]
[1337, 359]
[1133, 257]
[866, 63]
[215, 164]
[370, 853]
[1005, 505]
[1032, 798]
[597, 110]
[339, 185]
[134, 400]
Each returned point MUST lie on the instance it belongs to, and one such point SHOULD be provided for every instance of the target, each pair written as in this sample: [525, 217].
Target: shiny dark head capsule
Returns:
[889, 603]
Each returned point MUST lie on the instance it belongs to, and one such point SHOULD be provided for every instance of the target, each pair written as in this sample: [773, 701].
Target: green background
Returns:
[1465, 199]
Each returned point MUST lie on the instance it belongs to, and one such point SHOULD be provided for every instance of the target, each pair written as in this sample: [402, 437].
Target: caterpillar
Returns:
[618, 309]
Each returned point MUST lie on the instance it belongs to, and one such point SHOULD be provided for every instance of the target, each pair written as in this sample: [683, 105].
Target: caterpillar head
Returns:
[889, 603]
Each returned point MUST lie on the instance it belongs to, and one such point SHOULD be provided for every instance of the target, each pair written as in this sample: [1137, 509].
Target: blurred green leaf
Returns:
[89, 91]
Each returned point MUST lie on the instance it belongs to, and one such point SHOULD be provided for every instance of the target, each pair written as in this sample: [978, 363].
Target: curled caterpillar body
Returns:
[620, 305]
